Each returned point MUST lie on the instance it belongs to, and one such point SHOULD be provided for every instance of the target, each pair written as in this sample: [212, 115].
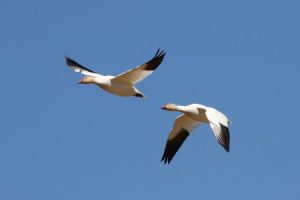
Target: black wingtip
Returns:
[72, 63]
[226, 138]
[68, 60]
[226, 148]
[160, 53]
[155, 61]
[173, 145]
[157, 52]
[165, 159]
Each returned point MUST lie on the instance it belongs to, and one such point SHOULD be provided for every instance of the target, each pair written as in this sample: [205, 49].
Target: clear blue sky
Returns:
[60, 140]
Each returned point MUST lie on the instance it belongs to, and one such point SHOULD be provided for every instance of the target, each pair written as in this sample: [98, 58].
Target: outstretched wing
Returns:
[182, 127]
[219, 124]
[79, 68]
[140, 72]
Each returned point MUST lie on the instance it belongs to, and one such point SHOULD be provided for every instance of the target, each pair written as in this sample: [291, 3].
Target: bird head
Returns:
[169, 107]
[86, 80]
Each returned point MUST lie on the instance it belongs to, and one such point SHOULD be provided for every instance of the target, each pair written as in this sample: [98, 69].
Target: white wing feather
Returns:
[140, 72]
[133, 76]
[183, 121]
[219, 124]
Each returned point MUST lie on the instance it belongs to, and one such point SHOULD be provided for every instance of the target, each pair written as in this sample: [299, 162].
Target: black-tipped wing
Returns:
[219, 122]
[222, 134]
[224, 138]
[79, 68]
[152, 64]
[173, 144]
[181, 130]
[137, 74]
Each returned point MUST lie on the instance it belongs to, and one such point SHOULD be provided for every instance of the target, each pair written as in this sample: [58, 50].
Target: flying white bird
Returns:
[122, 84]
[193, 115]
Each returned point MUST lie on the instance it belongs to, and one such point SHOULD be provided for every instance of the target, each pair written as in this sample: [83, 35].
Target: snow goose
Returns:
[193, 115]
[122, 84]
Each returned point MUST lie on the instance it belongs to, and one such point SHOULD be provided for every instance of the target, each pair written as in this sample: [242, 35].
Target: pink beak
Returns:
[80, 82]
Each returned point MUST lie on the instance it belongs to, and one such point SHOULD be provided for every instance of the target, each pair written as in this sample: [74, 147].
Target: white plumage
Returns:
[122, 84]
[193, 115]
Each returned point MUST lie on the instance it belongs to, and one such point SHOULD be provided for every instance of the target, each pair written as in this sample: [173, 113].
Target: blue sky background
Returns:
[60, 140]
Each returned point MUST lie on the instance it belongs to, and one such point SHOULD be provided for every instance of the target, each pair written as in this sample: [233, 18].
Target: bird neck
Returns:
[101, 81]
[179, 108]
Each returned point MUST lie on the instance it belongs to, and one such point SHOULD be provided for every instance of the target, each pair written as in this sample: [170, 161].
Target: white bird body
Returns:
[108, 84]
[114, 87]
[123, 84]
[193, 115]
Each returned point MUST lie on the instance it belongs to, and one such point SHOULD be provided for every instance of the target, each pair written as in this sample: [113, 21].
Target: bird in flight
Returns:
[122, 84]
[193, 115]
